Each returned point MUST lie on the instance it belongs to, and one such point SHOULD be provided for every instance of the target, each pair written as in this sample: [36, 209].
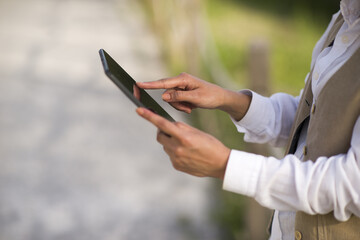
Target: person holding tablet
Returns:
[314, 187]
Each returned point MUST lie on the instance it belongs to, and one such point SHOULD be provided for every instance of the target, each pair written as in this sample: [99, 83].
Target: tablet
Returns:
[126, 84]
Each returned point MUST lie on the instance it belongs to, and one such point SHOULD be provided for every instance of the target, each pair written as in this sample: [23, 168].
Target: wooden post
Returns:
[257, 216]
[259, 67]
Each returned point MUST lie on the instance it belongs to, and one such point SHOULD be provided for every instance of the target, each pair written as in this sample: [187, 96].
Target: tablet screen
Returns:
[126, 84]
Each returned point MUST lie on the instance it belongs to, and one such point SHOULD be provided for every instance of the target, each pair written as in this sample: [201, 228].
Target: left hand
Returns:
[190, 150]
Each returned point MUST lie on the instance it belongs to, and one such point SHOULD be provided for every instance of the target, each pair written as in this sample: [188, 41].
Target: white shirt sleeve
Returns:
[329, 184]
[269, 120]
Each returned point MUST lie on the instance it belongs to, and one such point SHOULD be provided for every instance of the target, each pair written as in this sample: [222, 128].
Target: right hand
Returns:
[185, 92]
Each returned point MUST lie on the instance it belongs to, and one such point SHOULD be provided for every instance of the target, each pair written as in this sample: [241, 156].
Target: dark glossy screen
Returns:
[126, 84]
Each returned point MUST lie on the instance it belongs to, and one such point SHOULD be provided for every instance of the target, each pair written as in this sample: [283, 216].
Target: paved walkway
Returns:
[75, 160]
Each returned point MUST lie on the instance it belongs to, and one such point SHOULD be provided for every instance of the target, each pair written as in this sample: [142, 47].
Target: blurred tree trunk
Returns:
[177, 23]
[258, 217]
[187, 42]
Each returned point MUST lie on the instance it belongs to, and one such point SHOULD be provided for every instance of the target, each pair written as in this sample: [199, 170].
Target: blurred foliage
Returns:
[291, 41]
[229, 214]
[211, 39]
[317, 8]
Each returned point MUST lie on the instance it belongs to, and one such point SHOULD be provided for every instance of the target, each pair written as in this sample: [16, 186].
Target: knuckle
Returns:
[187, 140]
[184, 80]
[174, 95]
[183, 74]
[178, 151]
[164, 82]
[169, 91]
[184, 77]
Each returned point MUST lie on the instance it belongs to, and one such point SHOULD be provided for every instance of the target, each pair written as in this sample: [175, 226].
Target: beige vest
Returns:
[331, 122]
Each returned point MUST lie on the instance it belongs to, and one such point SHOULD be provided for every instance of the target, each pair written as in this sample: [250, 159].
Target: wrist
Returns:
[220, 174]
[236, 104]
[228, 97]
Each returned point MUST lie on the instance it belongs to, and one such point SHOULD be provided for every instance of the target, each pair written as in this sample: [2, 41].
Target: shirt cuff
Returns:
[257, 116]
[242, 172]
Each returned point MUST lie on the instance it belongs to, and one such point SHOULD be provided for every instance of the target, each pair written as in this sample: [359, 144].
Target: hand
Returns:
[185, 92]
[190, 150]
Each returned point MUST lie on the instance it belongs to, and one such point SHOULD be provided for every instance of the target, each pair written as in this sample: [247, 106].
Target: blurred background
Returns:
[75, 160]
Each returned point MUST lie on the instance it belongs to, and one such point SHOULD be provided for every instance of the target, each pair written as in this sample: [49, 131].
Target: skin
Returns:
[191, 150]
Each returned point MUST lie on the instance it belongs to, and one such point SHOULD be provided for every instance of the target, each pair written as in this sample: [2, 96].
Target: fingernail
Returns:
[166, 96]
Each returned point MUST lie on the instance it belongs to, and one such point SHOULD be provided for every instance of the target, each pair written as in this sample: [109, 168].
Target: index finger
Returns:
[166, 83]
[161, 123]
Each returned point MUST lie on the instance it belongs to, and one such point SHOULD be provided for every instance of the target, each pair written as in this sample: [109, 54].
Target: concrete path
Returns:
[75, 160]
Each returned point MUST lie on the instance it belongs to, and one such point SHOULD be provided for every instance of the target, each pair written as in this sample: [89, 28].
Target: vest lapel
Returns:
[304, 108]
[302, 113]
[334, 30]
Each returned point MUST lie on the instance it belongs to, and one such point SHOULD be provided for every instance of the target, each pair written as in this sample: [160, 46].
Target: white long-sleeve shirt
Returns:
[329, 184]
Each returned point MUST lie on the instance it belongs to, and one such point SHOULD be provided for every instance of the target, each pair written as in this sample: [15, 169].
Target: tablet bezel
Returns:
[123, 81]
